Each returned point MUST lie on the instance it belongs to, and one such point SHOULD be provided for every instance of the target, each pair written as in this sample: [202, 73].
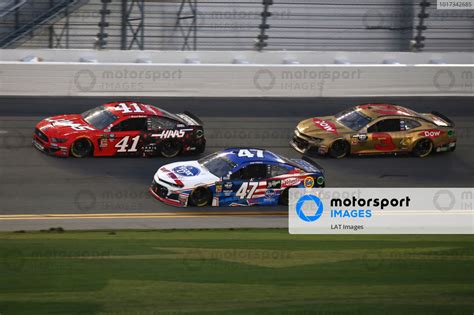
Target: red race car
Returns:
[120, 129]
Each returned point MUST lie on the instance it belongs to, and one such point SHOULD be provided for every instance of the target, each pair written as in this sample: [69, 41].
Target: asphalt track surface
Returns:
[34, 183]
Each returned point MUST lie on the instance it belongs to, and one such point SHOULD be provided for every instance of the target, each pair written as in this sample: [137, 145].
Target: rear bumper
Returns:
[447, 147]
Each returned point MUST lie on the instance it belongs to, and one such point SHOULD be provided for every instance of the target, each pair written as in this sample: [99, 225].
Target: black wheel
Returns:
[423, 148]
[81, 148]
[339, 149]
[170, 148]
[201, 197]
[284, 198]
[201, 148]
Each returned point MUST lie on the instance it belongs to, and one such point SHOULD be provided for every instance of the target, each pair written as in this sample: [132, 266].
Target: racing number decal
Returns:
[134, 108]
[245, 192]
[247, 153]
[385, 142]
[122, 145]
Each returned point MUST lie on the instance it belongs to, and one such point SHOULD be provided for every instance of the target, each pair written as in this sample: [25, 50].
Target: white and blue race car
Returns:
[235, 177]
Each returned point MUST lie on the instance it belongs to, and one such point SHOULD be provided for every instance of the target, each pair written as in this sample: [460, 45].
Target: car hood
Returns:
[185, 174]
[64, 125]
[322, 127]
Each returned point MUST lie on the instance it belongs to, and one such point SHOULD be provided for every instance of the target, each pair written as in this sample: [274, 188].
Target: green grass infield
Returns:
[234, 272]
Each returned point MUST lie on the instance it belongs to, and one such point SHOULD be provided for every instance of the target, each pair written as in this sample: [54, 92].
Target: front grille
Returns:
[41, 135]
[160, 190]
[300, 142]
[169, 183]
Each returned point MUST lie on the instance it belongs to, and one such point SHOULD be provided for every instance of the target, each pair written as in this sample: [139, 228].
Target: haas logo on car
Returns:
[70, 124]
[186, 170]
[432, 133]
[325, 125]
[165, 134]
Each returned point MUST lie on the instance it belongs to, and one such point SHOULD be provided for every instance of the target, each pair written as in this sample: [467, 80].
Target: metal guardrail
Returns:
[11, 6]
[375, 25]
[44, 15]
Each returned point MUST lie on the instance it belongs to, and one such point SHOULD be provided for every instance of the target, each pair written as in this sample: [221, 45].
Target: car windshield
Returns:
[218, 164]
[99, 117]
[353, 119]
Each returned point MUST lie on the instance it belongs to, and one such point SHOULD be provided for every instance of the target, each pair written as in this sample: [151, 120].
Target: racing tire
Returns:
[284, 197]
[422, 148]
[170, 148]
[201, 149]
[81, 148]
[200, 197]
[339, 149]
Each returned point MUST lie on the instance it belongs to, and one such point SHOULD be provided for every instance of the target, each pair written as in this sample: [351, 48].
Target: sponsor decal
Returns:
[325, 125]
[270, 193]
[290, 182]
[218, 188]
[70, 124]
[274, 184]
[166, 134]
[186, 170]
[103, 143]
[308, 182]
[228, 185]
[432, 133]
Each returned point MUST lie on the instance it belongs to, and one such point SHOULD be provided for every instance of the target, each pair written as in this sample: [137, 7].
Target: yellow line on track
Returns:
[136, 215]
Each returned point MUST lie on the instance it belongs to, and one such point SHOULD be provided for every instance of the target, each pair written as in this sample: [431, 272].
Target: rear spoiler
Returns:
[193, 117]
[312, 162]
[443, 117]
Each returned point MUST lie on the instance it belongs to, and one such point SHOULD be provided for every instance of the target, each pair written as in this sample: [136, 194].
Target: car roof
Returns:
[268, 156]
[146, 110]
[381, 110]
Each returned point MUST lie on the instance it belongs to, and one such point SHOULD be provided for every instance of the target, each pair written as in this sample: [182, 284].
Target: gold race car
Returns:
[374, 129]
